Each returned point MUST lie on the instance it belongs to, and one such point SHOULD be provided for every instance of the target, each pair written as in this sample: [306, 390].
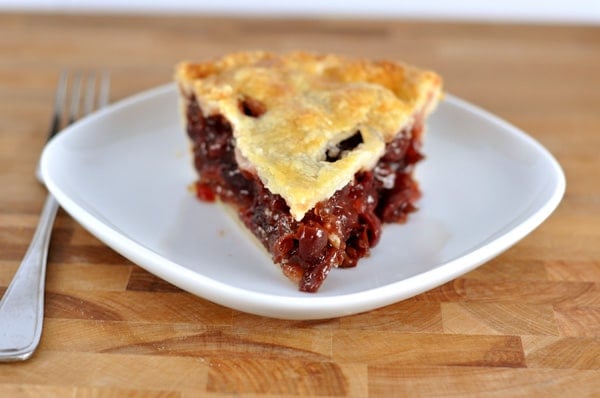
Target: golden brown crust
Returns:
[309, 103]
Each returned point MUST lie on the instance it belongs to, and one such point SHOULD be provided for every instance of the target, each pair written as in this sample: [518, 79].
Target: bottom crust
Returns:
[337, 232]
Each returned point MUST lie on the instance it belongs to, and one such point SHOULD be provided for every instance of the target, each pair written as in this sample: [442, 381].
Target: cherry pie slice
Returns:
[313, 152]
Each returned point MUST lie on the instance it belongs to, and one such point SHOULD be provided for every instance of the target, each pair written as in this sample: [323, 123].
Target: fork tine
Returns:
[60, 97]
[76, 98]
[104, 96]
[90, 94]
[59, 102]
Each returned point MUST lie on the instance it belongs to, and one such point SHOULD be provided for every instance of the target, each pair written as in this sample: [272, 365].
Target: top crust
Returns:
[308, 104]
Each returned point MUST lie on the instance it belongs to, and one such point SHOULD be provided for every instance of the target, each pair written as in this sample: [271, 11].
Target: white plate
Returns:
[123, 174]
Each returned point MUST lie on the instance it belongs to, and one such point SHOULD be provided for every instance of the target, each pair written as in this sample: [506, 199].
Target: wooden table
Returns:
[526, 323]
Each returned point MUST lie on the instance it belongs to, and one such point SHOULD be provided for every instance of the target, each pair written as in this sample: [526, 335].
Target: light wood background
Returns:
[525, 324]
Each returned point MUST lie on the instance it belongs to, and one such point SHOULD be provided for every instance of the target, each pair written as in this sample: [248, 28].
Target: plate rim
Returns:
[310, 306]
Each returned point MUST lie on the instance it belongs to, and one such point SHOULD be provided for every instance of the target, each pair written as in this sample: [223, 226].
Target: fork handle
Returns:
[22, 306]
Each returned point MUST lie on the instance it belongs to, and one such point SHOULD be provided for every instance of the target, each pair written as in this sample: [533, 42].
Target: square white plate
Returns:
[123, 174]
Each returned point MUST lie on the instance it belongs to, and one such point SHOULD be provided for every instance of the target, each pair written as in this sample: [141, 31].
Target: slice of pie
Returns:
[314, 152]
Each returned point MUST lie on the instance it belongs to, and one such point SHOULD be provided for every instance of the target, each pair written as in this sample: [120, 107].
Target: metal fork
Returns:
[22, 306]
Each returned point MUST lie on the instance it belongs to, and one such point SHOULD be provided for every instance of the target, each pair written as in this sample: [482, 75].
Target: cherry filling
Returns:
[336, 232]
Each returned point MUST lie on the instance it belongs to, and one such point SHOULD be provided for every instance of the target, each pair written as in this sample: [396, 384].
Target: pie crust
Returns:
[313, 151]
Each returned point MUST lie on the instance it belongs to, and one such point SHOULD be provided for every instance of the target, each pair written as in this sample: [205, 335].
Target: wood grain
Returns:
[524, 324]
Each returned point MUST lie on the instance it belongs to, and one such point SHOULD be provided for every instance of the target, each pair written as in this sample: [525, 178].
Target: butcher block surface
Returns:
[526, 323]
